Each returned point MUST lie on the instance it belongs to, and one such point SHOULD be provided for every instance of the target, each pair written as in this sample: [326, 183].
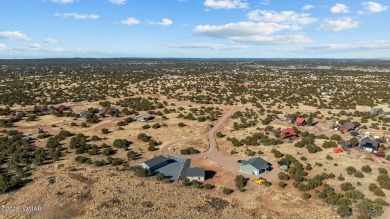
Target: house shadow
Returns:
[209, 174]
[270, 168]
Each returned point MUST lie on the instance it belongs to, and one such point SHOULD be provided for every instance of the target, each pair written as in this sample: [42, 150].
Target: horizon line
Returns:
[195, 58]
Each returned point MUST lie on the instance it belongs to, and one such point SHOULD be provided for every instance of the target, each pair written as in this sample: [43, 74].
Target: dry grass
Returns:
[81, 191]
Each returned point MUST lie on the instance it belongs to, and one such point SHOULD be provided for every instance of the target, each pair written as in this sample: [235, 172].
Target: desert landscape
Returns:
[125, 138]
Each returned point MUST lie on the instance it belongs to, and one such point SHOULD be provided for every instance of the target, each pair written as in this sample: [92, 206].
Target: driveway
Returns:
[230, 163]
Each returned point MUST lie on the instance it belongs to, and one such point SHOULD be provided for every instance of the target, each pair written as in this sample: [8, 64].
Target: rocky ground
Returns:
[69, 190]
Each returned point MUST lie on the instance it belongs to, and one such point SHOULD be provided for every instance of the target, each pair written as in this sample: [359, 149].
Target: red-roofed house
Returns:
[300, 121]
[288, 132]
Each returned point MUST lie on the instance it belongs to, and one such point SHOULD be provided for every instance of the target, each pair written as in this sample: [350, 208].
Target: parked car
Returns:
[259, 181]
[380, 155]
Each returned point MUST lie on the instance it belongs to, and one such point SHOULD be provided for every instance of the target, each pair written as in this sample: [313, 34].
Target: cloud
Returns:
[339, 24]
[118, 2]
[58, 49]
[251, 32]
[14, 35]
[307, 7]
[339, 8]
[281, 17]
[38, 48]
[225, 4]
[163, 22]
[63, 1]
[212, 46]
[268, 40]
[374, 7]
[77, 16]
[3, 47]
[51, 41]
[352, 47]
[266, 2]
[240, 29]
[130, 21]
[35, 46]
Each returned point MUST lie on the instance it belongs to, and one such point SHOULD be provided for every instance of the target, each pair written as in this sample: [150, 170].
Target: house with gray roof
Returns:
[174, 168]
[255, 166]
[144, 118]
[84, 114]
[377, 111]
[369, 145]
[155, 163]
[195, 174]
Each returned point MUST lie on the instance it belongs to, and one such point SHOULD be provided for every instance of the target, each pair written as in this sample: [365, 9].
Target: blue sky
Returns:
[195, 28]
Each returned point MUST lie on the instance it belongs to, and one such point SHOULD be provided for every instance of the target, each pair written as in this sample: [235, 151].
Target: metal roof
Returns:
[174, 170]
[369, 143]
[195, 172]
[258, 163]
[156, 160]
[348, 126]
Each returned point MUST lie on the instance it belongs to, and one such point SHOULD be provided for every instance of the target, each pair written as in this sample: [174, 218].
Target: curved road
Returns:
[228, 162]
[210, 135]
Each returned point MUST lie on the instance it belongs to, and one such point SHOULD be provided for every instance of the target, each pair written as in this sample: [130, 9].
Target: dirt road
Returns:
[228, 162]
[210, 135]
[386, 214]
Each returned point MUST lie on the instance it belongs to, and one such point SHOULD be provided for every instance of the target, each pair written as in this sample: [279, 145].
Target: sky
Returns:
[194, 28]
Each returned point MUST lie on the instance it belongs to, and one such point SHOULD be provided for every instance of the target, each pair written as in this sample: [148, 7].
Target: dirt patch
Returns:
[200, 144]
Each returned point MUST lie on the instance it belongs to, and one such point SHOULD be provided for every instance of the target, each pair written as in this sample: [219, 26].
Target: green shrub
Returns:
[140, 171]
[306, 196]
[283, 176]
[160, 176]
[346, 186]
[328, 157]
[369, 208]
[381, 202]
[351, 170]
[239, 181]
[344, 211]
[188, 151]
[121, 143]
[384, 181]
[227, 191]
[366, 169]
[186, 182]
[382, 170]
[108, 151]
[358, 174]
[341, 177]
[208, 186]
[354, 194]
[220, 135]
[282, 184]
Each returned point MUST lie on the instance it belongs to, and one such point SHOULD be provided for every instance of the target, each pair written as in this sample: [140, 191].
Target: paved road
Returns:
[228, 162]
